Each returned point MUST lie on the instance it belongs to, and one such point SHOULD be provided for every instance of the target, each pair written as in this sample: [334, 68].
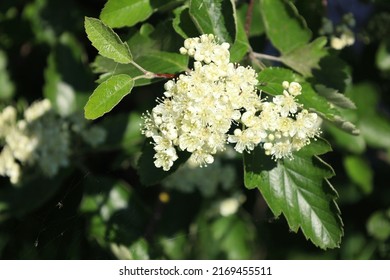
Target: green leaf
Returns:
[307, 57]
[183, 24]
[383, 56]
[7, 87]
[300, 189]
[107, 95]
[360, 172]
[284, 26]
[120, 13]
[374, 126]
[137, 251]
[153, 50]
[215, 17]
[352, 143]
[256, 27]
[333, 73]
[116, 216]
[378, 225]
[149, 174]
[206, 181]
[175, 248]
[68, 81]
[106, 41]
[231, 237]
[159, 38]
[334, 97]
[123, 132]
[241, 46]
[235, 236]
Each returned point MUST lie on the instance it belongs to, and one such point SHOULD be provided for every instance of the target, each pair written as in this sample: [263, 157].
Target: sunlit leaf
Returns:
[106, 41]
[299, 189]
[107, 95]
[284, 26]
[216, 17]
[120, 13]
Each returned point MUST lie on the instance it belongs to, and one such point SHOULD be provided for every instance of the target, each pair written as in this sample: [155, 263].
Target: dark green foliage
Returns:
[112, 202]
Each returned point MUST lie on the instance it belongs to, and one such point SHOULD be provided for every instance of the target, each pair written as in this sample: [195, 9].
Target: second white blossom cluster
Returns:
[41, 139]
[201, 107]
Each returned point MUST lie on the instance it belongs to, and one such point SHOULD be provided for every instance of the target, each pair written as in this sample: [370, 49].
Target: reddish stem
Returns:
[248, 18]
[164, 75]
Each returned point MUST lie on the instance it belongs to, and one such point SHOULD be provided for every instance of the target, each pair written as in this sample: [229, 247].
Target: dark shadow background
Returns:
[28, 33]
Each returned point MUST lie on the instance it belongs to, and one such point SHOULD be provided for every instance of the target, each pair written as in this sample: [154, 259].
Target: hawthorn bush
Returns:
[194, 129]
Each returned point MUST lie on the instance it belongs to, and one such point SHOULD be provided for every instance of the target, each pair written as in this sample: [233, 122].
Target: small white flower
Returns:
[165, 158]
[295, 88]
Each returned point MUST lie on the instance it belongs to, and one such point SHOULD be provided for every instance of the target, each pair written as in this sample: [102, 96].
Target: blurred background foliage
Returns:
[98, 208]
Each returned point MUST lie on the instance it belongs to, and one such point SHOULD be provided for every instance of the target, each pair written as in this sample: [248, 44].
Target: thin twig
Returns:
[258, 63]
[146, 72]
[248, 18]
[266, 56]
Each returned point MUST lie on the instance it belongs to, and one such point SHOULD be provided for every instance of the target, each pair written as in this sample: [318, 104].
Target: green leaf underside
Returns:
[121, 13]
[305, 58]
[335, 97]
[106, 41]
[285, 28]
[215, 17]
[107, 95]
[300, 190]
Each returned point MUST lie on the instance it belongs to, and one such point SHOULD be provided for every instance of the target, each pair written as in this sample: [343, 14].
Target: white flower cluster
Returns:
[344, 40]
[40, 139]
[282, 125]
[199, 108]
